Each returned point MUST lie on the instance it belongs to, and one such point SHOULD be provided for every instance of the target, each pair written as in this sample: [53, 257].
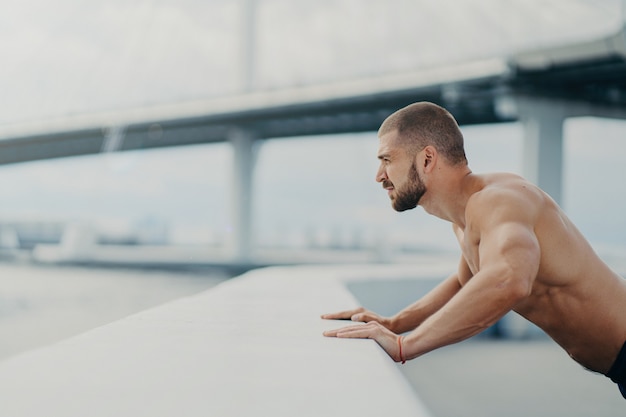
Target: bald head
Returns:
[422, 124]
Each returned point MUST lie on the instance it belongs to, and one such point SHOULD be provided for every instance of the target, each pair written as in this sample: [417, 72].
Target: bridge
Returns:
[540, 88]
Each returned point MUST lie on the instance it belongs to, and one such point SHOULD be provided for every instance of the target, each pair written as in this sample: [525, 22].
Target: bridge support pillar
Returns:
[244, 160]
[543, 144]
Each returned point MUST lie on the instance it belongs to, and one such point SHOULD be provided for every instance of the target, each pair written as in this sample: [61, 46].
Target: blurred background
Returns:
[174, 213]
[67, 59]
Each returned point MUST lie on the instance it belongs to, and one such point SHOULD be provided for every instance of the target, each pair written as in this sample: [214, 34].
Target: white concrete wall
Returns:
[252, 346]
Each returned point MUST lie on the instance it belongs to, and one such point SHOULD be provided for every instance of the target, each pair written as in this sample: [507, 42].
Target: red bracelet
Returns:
[400, 349]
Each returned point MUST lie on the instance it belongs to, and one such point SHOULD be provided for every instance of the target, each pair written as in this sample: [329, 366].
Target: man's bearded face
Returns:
[407, 197]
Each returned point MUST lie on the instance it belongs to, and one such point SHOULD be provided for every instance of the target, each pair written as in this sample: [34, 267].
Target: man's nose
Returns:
[381, 175]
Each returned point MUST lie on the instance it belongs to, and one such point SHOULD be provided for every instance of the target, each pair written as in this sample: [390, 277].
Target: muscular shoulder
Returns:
[504, 198]
[501, 217]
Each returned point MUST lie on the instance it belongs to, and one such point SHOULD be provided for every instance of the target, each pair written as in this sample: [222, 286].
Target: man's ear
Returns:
[430, 157]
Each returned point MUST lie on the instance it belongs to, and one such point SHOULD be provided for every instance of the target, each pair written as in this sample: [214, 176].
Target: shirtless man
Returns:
[519, 252]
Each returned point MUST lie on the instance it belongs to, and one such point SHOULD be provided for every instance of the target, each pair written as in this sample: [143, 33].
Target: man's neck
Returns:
[450, 194]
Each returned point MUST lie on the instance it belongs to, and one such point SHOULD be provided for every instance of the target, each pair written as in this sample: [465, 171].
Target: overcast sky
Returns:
[71, 56]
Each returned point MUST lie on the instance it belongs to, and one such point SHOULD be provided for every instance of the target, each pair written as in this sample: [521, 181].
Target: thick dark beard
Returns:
[409, 197]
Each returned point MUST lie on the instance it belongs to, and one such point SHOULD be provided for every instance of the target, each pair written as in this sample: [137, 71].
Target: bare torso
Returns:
[576, 298]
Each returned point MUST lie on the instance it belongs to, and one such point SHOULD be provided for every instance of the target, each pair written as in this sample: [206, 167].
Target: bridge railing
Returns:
[250, 346]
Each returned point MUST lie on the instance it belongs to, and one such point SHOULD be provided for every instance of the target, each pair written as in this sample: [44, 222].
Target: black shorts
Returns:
[617, 373]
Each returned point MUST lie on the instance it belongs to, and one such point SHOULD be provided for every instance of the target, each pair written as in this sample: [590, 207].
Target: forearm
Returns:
[474, 309]
[415, 314]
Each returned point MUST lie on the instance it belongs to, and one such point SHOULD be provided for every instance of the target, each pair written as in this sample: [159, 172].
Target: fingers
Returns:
[357, 332]
[331, 333]
[365, 316]
[360, 331]
[336, 332]
[389, 341]
[343, 315]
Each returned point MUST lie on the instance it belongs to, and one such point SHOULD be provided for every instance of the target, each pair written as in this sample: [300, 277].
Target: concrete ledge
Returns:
[250, 346]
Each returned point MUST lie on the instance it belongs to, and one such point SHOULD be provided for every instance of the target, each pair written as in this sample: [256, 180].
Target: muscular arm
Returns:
[415, 314]
[509, 260]
[507, 254]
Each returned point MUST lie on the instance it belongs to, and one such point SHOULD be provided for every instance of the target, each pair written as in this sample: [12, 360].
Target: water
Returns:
[41, 305]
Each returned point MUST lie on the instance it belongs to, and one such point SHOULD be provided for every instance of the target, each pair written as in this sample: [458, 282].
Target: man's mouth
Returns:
[388, 186]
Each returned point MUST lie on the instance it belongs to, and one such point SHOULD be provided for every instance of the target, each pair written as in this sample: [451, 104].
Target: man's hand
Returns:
[372, 330]
[358, 314]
